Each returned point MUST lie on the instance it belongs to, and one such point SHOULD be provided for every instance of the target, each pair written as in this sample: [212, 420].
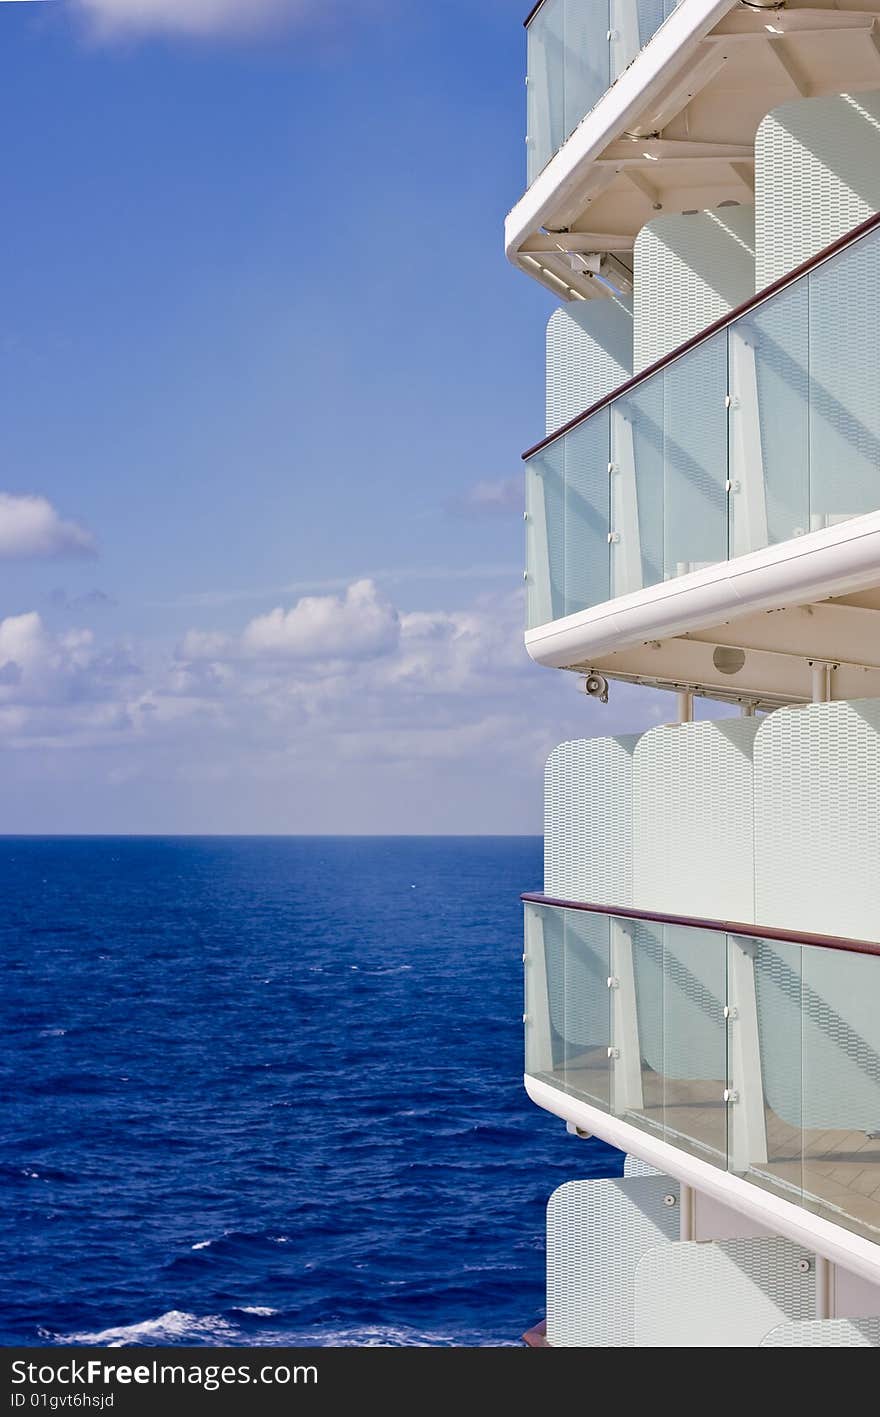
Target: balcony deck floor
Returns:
[832, 1173]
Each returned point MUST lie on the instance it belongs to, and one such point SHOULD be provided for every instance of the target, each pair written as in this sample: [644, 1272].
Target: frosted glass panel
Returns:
[637, 488]
[546, 85]
[587, 1017]
[695, 456]
[567, 515]
[568, 71]
[576, 48]
[844, 408]
[651, 14]
[586, 558]
[568, 1027]
[648, 970]
[544, 991]
[587, 59]
[778, 989]
[841, 1088]
[695, 1048]
[769, 423]
[680, 997]
[545, 535]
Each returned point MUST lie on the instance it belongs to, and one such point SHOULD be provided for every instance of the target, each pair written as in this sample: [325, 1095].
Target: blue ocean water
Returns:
[268, 1091]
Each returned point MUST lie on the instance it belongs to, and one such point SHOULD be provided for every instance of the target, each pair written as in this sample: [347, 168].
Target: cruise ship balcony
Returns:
[702, 966]
[636, 107]
[754, 1051]
[739, 473]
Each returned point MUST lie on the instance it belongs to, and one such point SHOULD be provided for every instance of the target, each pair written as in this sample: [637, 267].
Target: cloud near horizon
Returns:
[352, 671]
[198, 18]
[31, 527]
[338, 710]
[60, 690]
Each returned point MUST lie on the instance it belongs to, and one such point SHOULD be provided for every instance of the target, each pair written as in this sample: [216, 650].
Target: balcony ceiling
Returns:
[687, 142]
[812, 599]
[779, 647]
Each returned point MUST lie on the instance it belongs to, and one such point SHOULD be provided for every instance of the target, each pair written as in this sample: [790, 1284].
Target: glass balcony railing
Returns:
[576, 49]
[766, 429]
[759, 1055]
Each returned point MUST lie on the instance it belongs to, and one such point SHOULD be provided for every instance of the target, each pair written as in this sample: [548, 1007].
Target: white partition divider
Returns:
[597, 1231]
[825, 1333]
[722, 1294]
[693, 820]
[817, 824]
[689, 271]
[634, 1166]
[588, 820]
[589, 353]
[817, 175]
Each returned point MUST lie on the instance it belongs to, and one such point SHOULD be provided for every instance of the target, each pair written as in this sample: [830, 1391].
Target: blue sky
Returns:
[266, 378]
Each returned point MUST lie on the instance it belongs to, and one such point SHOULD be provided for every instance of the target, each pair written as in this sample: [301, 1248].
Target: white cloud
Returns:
[338, 713]
[351, 678]
[192, 17]
[37, 666]
[501, 494]
[205, 644]
[30, 526]
[53, 687]
[362, 624]
[428, 684]
[441, 652]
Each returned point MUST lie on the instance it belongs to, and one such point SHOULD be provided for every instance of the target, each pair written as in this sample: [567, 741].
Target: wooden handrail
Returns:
[722, 927]
[857, 234]
[532, 13]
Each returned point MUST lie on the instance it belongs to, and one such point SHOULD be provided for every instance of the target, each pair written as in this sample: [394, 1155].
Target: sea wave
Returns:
[374, 1336]
[238, 1241]
[213, 1330]
[171, 1328]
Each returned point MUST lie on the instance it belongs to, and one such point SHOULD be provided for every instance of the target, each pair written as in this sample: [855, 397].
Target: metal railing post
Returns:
[623, 35]
[746, 482]
[626, 1057]
[626, 555]
[747, 1132]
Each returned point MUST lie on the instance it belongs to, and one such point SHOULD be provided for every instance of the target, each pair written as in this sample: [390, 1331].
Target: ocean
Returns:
[269, 1091]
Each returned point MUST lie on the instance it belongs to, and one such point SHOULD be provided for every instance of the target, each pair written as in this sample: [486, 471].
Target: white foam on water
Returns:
[168, 1328]
[257, 1309]
[370, 1336]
